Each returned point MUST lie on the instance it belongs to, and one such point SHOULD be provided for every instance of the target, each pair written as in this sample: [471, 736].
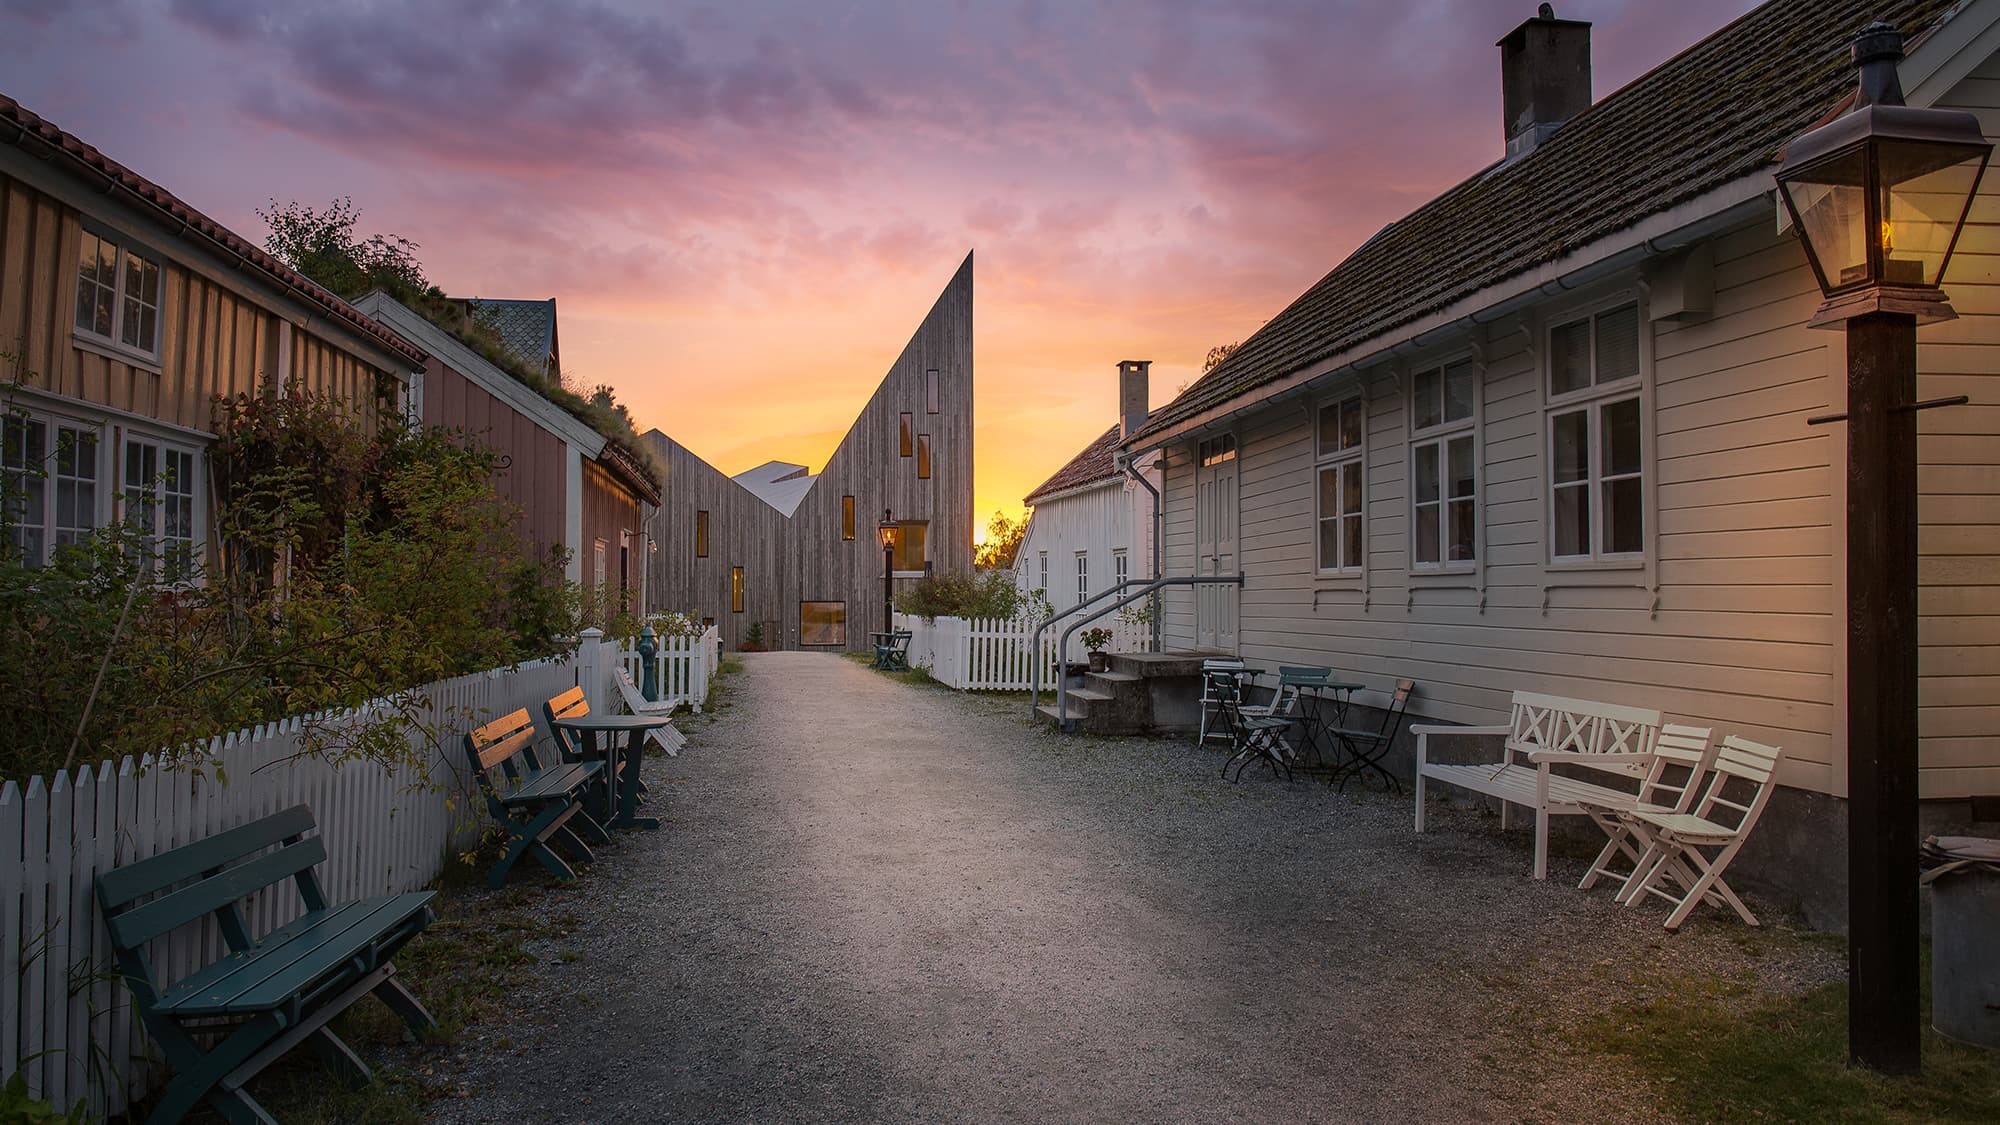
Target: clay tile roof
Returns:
[28, 124]
[1094, 464]
[1717, 112]
[526, 328]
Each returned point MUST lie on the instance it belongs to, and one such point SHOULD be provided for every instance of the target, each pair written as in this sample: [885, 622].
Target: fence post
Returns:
[590, 664]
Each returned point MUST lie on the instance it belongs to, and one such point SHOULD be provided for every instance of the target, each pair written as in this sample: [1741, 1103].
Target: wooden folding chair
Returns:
[666, 737]
[1674, 841]
[1663, 789]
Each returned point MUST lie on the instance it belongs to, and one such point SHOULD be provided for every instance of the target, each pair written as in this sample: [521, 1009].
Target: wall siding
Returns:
[1105, 518]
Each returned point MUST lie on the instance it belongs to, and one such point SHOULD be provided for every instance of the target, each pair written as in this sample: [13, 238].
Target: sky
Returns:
[744, 210]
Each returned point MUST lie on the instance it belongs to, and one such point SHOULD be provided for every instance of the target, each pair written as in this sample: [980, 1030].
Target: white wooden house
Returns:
[1548, 431]
[1090, 525]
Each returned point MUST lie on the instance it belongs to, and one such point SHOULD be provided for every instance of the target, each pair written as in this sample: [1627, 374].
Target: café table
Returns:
[621, 798]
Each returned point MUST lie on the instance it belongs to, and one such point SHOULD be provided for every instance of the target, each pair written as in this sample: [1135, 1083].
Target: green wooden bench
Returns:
[537, 805]
[572, 705]
[221, 1024]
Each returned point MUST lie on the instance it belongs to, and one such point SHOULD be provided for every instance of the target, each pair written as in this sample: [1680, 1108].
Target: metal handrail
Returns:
[1035, 640]
[1062, 644]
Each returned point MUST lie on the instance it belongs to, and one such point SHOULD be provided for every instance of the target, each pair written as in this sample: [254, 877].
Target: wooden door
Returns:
[1215, 538]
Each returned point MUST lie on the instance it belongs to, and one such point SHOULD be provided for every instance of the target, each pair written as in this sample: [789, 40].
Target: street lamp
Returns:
[1879, 196]
[890, 532]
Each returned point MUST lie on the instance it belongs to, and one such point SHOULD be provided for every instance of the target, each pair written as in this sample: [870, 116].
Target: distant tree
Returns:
[323, 245]
[1003, 541]
[1216, 355]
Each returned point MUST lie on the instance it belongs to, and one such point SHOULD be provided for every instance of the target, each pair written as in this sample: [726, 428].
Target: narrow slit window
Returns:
[736, 589]
[701, 534]
[923, 456]
[847, 517]
[931, 391]
[909, 432]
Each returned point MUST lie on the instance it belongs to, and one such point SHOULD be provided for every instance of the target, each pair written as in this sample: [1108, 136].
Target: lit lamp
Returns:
[891, 532]
[1879, 196]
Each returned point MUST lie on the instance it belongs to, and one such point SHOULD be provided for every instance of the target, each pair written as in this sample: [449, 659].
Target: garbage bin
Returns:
[1963, 873]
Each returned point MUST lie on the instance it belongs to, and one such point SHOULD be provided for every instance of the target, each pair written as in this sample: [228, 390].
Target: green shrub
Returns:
[991, 594]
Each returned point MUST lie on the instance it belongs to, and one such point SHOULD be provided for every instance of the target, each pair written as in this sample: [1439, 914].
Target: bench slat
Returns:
[288, 961]
[144, 923]
[556, 781]
[118, 887]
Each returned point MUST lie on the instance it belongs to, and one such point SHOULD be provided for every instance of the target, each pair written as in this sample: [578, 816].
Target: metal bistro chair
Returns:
[1294, 680]
[1366, 748]
[1219, 682]
[1255, 736]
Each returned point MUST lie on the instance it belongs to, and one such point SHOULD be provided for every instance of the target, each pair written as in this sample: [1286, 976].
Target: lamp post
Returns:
[890, 531]
[1879, 196]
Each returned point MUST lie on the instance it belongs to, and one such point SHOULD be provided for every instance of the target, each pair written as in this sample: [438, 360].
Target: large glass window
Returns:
[1339, 441]
[1597, 493]
[912, 553]
[118, 296]
[51, 473]
[160, 505]
[822, 623]
[1444, 473]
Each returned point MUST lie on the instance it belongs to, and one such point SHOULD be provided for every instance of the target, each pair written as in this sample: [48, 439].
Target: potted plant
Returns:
[1094, 641]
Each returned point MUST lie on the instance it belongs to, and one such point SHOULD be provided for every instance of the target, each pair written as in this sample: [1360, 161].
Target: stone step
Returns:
[1116, 677]
[1088, 695]
[1049, 712]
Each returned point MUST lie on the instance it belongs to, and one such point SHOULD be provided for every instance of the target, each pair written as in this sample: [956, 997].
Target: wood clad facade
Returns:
[805, 558]
[1735, 613]
[536, 460]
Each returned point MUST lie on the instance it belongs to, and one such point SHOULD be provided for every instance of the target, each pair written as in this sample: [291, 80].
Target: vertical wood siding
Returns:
[537, 460]
[609, 512]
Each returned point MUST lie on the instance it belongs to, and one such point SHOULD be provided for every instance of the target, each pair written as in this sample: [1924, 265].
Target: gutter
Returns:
[1732, 205]
[1125, 462]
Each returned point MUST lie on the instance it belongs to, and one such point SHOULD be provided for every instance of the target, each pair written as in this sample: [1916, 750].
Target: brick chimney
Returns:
[1132, 408]
[1544, 78]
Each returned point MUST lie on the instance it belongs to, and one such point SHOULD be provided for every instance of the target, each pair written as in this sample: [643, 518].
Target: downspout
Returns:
[1125, 463]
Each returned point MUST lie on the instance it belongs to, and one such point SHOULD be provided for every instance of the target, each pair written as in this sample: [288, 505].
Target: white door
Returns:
[1215, 543]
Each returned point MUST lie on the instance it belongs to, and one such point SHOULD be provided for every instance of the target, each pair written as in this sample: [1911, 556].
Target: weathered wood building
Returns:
[1548, 432]
[812, 577]
[575, 489]
[123, 311]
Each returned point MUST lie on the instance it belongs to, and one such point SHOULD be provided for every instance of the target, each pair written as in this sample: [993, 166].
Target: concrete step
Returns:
[1115, 677]
[1049, 712]
[1089, 695]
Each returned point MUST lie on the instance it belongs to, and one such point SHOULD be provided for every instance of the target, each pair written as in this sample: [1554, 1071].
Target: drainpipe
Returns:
[1125, 463]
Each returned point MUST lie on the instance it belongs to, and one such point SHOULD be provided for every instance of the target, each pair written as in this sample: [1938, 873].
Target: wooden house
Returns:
[1090, 525]
[1548, 431]
[576, 489]
[123, 311]
[797, 554]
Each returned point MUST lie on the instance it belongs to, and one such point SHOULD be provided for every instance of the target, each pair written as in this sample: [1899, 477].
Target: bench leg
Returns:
[340, 1057]
[198, 1076]
[586, 828]
[567, 840]
[405, 1004]
[1541, 843]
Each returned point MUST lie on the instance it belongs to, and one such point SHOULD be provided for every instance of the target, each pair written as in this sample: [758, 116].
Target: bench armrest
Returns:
[1423, 731]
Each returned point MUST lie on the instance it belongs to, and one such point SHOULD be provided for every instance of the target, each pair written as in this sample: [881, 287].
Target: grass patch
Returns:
[921, 676]
[1725, 1050]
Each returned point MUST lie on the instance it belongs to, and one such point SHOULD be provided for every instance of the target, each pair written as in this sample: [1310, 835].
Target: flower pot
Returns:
[1099, 662]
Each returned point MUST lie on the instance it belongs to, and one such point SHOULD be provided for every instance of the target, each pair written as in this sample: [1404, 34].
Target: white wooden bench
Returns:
[667, 737]
[1545, 730]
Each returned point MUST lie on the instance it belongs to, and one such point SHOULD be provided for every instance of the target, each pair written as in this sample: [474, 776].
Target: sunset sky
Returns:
[744, 209]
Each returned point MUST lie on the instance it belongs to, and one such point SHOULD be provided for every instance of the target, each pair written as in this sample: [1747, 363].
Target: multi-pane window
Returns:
[1121, 568]
[118, 295]
[50, 485]
[931, 391]
[923, 456]
[1338, 442]
[159, 505]
[1043, 584]
[847, 517]
[1444, 474]
[909, 430]
[701, 534]
[736, 589]
[822, 623]
[1082, 575]
[1597, 495]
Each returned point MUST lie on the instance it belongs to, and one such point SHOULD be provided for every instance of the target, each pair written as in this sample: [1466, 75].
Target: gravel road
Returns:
[884, 902]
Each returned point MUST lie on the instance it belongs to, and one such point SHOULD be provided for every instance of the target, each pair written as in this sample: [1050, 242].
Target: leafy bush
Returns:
[990, 594]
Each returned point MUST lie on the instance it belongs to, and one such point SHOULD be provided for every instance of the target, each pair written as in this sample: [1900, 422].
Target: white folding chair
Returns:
[1219, 683]
[1679, 748]
[1674, 841]
[668, 739]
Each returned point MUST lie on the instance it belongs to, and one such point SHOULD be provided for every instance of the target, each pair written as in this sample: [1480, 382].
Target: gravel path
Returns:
[878, 901]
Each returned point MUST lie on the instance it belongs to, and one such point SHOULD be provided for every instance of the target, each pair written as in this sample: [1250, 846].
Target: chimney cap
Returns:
[1545, 17]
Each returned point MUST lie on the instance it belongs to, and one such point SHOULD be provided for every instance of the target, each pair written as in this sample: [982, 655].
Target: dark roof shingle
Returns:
[1088, 467]
[525, 328]
[1716, 112]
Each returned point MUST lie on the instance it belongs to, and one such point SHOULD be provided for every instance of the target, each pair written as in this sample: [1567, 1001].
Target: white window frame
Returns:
[194, 494]
[146, 352]
[1439, 436]
[1591, 401]
[1044, 587]
[1082, 576]
[1121, 566]
[1337, 460]
[54, 424]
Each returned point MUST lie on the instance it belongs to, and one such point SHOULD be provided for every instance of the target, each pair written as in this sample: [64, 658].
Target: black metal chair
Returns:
[1366, 748]
[1254, 736]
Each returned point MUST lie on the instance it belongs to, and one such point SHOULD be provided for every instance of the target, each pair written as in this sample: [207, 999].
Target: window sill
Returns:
[1462, 578]
[110, 350]
[1590, 567]
[1339, 578]
[910, 573]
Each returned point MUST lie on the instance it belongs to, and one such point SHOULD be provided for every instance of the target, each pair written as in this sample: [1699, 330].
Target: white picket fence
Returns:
[686, 665]
[66, 1021]
[978, 654]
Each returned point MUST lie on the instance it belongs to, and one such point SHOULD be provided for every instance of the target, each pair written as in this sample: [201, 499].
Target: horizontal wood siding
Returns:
[1098, 522]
